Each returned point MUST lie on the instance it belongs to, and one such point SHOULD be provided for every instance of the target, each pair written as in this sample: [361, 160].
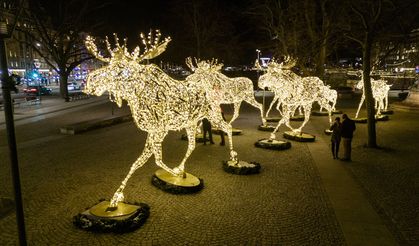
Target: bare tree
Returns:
[304, 29]
[56, 34]
[205, 27]
[374, 21]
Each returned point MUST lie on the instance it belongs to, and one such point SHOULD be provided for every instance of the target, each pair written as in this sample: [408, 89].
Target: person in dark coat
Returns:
[206, 126]
[348, 128]
[336, 129]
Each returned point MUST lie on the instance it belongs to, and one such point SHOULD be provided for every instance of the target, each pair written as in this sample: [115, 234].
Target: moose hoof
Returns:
[184, 184]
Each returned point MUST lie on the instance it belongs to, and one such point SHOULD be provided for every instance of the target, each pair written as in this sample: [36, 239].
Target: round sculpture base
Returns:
[360, 120]
[199, 138]
[377, 118]
[234, 131]
[328, 132]
[274, 144]
[319, 113]
[382, 118]
[266, 128]
[337, 112]
[177, 184]
[297, 118]
[273, 119]
[387, 112]
[241, 167]
[126, 217]
[299, 137]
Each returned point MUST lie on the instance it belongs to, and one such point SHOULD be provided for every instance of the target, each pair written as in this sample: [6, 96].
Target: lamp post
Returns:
[263, 98]
[7, 86]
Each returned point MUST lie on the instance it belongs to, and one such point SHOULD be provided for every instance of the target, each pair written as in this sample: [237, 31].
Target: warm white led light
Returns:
[380, 90]
[291, 92]
[158, 103]
[224, 90]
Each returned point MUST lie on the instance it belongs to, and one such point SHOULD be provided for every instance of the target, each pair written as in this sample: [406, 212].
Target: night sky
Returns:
[129, 18]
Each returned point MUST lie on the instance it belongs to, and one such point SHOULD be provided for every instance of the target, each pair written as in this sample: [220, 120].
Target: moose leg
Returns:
[270, 106]
[236, 111]
[191, 132]
[227, 128]
[252, 101]
[158, 138]
[307, 112]
[142, 159]
[360, 104]
[284, 120]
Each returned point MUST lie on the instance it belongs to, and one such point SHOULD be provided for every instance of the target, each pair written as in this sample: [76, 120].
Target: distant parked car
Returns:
[34, 90]
[73, 86]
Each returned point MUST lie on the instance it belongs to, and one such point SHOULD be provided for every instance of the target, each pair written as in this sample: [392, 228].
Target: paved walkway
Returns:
[358, 221]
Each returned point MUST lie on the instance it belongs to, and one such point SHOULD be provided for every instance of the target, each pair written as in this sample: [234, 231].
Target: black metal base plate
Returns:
[382, 118]
[360, 120]
[297, 118]
[266, 128]
[265, 143]
[119, 224]
[387, 112]
[273, 119]
[234, 132]
[246, 169]
[299, 137]
[318, 113]
[377, 118]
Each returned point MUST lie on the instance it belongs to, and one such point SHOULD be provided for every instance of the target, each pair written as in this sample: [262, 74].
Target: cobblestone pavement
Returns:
[62, 175]
[389, 176]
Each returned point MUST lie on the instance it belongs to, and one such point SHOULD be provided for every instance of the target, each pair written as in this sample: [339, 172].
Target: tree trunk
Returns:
[369, 100]
[321, 60]
[63, 86]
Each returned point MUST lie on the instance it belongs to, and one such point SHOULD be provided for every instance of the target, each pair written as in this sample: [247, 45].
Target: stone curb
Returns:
[84, 126]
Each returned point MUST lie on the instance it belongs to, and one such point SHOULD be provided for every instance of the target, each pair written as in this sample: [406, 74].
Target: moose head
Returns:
[122, 67]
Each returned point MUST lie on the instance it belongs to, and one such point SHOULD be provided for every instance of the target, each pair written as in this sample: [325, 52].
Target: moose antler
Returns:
[288, 62]
[189, 63]
[92, 48]
[152, 46]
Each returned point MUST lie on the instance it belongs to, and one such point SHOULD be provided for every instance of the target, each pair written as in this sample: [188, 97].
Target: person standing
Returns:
[348, 128]
[206, 126]
[336, 129]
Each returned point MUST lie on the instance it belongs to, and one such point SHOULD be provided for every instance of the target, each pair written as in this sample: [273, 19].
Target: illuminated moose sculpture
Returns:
[158, 103]
[291, 91]
[380, 90]
[224, 90]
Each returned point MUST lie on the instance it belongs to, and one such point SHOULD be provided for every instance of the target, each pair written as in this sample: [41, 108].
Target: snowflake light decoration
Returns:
[224, 90]
[158, 103]
[291, 92]
[380, 90]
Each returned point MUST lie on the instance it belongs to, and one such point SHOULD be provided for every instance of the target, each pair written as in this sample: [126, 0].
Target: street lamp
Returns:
[7, 86]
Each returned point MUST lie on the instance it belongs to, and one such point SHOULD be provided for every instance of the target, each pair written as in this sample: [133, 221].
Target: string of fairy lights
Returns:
[380, 90]
[158, 103]
[225, 90]
[292, 92]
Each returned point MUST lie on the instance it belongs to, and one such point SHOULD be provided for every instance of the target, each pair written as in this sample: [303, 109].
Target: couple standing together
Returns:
[342, 131]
